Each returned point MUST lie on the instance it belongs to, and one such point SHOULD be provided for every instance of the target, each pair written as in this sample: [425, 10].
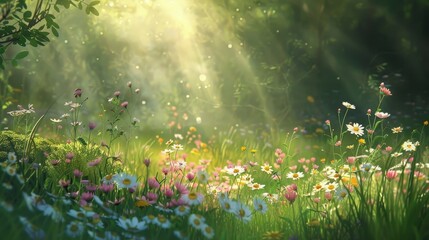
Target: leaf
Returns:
[94, 11]
[55, 32]
[21, 55]
[27, 14]
[81, 140]
[93, 3]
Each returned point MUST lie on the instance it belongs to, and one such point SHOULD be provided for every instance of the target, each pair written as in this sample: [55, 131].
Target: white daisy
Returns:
[267, 168]
[408, 146]
[124, 180]
[74, 229]
[348, 105]
[355, 129]
[193, 198]
[295, 176]
[133, 224]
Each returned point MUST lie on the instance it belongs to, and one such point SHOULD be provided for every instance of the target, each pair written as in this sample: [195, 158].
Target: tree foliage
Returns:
[23, 23]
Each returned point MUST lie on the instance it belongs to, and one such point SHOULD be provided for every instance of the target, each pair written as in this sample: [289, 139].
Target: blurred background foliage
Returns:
[228, 62]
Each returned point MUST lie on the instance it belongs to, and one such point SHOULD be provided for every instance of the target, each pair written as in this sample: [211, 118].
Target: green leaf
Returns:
[94, 11]
[55, 32]
[21, 55]
[27, 14]
[81, 140]
[93, 3]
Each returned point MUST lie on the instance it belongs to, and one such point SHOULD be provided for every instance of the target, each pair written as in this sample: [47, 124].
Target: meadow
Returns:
[67, 179]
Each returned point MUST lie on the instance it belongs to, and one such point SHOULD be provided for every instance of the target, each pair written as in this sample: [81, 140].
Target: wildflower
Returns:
[133, 225]
[361, 141]
[177, 147]
[11, 157]
[182, 210]
[382, 115]
[193, 198]
[196, 221]
[207, 231]
[350, 147]
[391, 174]
[94, 162]
[397, 130]
[190, 176]
[355, 129]
[271, 197]
[331, 186]
[243, 148]
[260, 205]
[87, 196]
[91, 126]
[426, 123]
[366, 167]
[146, 162]
[162, 222]
[10, 170]
[408, 146]
[242, 212]
[117, 94]
[272, 235]
[368, 112]
[396, 154]
[295, 176]
[124, 104]
[291, 195]
[32, 231]
[348, 105]
[77, 92]
[385, 91]
[341, 193]
[153, 183]
[124, 180]
[255, 186]
[267, 168]
[237, 170]
[74, 229]
[337, 144]
[227, 204]
[202, 176]
[108, 179]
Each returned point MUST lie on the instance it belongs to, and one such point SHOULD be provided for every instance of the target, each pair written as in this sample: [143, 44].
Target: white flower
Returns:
[348, 105]
[260, 205]
[237, 170]
[242, 212]
[355, 129]
[396, 154]
[255, 186]
[11, 157]
[74, 229]
[382, 115]
[196, 221]
[182, 210]
[397, 129]
[267, 168]
[408, 146]
[202, 176]
[207, 231]
[177, 147]
[56, 120]
[133, 224]
[124, 180]
[271, 197]
[295, 176]
[329, 187]
[193, 198]
[227, 204]
[162, 222]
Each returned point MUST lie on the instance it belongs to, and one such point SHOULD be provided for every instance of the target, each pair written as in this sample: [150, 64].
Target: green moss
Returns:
[14, 142]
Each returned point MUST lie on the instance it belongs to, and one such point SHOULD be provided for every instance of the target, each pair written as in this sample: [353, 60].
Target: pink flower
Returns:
[382, 115]
[152, 197]
[87, 196]
[91, 125]
[338, 143]
[117, 94]
[368, 112]
[77, 173]
[351, 160]
[291, 195]
[181, 188]
[391, 174]
[146, 162]
[106, 187]
[64, 183]
[389, 149]
[77, 92]
[91, 188]
[328, 196]
[328, 122]
[55, 162]
[124, 104]
[190, 176]
[168, 193]
[94, 162]
[153, 183]
[385, 91]
[70, 155]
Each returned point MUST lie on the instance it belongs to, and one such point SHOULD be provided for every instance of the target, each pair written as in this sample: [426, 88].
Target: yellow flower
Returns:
[350, 147]
[253, 151]
[274, 235]
[361, 141]
[426, 123]
[322, 160]
[192, 129]
[243, 148]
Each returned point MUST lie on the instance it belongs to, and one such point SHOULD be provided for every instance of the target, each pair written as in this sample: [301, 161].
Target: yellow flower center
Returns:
[126, 181]
[241, 213]
[255, 185]
[295, 175]
[192, 196]
[356, 129]
[331, 187]
[197, 222]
